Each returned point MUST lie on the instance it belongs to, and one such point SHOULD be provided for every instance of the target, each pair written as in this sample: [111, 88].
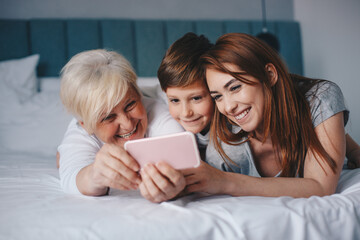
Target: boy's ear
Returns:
[272, 73]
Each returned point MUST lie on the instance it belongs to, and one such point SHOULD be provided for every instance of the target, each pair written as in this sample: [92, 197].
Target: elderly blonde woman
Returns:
[99, 88]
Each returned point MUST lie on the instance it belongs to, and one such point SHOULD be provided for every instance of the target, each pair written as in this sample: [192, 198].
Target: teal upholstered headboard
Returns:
[142, 42]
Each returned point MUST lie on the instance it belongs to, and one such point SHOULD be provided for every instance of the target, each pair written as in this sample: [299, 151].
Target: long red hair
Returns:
[287, 116]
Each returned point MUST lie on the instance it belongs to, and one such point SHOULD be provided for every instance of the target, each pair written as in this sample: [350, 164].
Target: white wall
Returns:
[180, 9]
[331, 48]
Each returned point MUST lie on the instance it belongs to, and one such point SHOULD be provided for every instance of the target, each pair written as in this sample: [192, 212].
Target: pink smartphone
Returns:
[179, 150]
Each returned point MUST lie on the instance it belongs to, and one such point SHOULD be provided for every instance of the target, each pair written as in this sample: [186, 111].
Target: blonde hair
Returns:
[93, 83]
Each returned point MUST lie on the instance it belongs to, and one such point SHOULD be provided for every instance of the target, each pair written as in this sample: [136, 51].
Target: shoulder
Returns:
[326, 99]
[153, 105]
[75, 135]
[325, 90]
[160, 121]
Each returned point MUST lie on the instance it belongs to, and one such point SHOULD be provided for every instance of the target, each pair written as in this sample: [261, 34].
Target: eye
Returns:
[197, 98]
[235, 87]
[108, 118]
[216, 97]
[174, 100]
[130, 106]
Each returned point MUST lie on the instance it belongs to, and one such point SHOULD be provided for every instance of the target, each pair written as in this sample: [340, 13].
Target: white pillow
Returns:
[50, 84]
[18, 78]
[147, 81]
[36, 126]
[150, 87]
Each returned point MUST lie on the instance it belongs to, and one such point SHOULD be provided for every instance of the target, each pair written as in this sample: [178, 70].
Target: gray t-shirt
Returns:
[327, 102]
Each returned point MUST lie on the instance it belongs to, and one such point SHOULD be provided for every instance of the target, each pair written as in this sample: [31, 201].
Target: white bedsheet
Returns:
[33, 206]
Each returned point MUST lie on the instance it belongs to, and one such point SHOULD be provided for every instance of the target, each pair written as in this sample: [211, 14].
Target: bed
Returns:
[33, 121]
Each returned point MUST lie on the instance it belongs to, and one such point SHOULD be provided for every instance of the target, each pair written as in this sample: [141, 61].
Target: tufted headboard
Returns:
[142, 42]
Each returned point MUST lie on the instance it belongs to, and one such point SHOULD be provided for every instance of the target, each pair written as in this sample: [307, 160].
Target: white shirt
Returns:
[78, 149]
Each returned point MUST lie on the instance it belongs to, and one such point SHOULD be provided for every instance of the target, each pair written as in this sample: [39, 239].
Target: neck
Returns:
[205, 130]
[260, 136]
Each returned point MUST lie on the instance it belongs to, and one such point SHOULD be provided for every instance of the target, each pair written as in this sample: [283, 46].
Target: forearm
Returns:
[242, 185]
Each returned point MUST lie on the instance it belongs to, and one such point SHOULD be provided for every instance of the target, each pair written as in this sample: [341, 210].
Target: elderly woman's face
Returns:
[127, 121]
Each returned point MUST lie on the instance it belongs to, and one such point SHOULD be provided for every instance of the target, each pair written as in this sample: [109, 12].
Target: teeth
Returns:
[242, 115]
[128, 134]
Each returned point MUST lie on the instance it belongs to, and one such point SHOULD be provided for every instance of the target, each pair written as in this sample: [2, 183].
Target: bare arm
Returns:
[317, 180]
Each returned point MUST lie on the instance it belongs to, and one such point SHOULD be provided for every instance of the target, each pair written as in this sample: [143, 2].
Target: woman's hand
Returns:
[113, 167]
[161, 182]
[205, 178]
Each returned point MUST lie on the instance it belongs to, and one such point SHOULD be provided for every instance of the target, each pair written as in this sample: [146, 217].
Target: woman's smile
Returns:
[127, 135]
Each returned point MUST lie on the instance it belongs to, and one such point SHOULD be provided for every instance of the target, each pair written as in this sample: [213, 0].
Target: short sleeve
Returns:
[77, 150]
[326, 100]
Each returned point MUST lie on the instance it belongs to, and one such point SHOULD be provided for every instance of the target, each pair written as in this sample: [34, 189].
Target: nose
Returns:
[186, 110]
[125, 122]
[229, 104]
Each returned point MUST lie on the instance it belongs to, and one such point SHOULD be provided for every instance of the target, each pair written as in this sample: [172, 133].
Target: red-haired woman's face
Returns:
[240, 102]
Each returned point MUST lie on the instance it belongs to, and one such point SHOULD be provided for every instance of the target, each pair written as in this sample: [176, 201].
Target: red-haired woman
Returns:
[291, 127]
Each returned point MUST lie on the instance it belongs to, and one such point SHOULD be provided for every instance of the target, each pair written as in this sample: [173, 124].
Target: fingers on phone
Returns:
[174, 176]
[149, 189]
[120, 168]
[113, 173]
[123, 156]
[116, 180]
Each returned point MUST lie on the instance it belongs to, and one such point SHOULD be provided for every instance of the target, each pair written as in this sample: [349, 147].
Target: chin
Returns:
[194, 130]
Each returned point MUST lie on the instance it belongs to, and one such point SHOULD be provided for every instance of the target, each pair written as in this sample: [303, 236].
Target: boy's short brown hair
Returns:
[180, 66]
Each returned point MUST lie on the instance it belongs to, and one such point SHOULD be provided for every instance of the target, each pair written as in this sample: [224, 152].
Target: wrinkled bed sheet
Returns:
[33, 206]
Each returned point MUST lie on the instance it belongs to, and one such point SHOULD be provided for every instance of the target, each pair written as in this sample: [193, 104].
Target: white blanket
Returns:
[33, 206]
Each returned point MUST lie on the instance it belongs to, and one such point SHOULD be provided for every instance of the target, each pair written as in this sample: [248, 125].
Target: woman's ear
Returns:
[84, 127]
[272, 73]
[82, 124]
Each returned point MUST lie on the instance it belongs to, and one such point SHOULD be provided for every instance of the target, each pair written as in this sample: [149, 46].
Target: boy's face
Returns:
[127, 121]
[191, 106]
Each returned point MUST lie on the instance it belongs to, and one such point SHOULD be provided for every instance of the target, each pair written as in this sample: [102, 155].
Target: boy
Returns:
[182, 79]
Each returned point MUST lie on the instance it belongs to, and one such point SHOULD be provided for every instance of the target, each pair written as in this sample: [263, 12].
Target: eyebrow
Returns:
[226, 85]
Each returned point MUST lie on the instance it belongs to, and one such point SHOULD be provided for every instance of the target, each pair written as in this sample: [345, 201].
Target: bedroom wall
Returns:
[198, 9]
[331, 48]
